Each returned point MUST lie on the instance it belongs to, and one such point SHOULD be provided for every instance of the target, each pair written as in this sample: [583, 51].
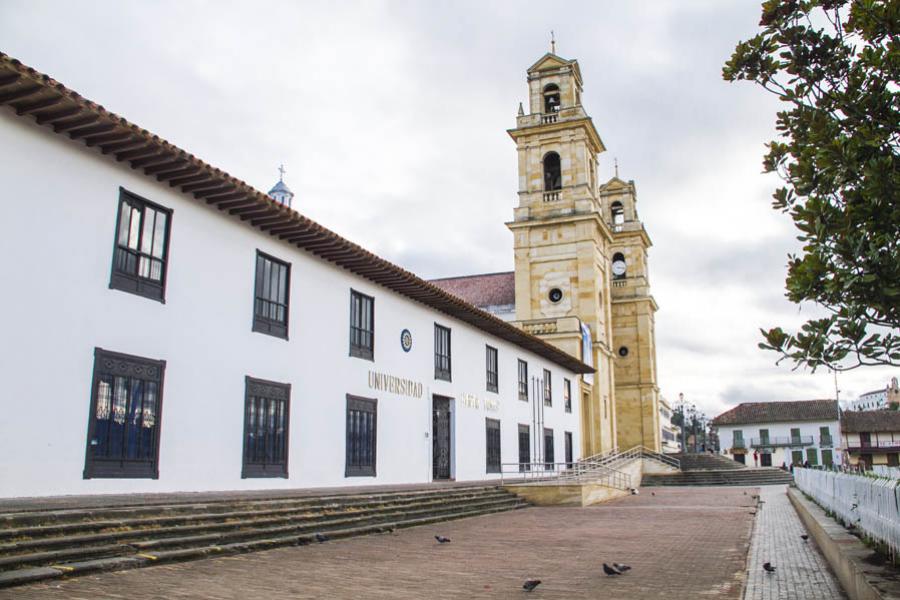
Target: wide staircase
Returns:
[711, 469]
[54, 543]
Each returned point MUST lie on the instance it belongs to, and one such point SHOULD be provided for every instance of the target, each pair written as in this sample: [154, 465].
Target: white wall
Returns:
[56, 239]
[782, 430]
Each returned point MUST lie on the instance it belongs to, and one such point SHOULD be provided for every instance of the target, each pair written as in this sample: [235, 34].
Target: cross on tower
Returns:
[281, 172]
[552, 42]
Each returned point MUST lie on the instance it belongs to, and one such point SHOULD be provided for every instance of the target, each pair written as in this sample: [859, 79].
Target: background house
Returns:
[871, 437]
[781, 432]
[878, 399]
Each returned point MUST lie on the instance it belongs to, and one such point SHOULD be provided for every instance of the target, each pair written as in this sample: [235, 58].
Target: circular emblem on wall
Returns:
[555, 295]
[623, 351]
[406, 340]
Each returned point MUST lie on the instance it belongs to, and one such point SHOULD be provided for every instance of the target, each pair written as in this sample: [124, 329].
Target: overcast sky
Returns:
[391, 118]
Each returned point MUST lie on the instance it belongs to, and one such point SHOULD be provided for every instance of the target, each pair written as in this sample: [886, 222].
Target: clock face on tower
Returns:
[618, 268]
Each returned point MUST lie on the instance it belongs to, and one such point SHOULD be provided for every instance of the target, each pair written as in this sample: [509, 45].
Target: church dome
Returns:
[280, 187]
[280, 192]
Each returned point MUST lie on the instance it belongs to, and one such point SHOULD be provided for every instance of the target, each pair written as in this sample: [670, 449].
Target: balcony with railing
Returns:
[551, 196]
[738, 443]
[826, 441]
[549, 117]
[876, 446]
[773, 442]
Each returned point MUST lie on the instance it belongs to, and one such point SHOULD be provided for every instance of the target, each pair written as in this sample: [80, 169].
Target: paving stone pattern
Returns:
[801, 572]
[681, 542]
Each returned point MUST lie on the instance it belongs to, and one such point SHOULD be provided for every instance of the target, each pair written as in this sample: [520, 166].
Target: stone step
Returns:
[160, 536]
[160, 522]
[25, 518]
[142, 559]
[745, 477]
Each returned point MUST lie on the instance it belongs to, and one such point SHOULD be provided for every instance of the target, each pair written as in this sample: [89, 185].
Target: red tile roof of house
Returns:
[37, 96]
[779, 412]
[855, 421]
[488, 289]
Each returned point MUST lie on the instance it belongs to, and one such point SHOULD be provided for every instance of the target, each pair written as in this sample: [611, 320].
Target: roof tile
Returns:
[779, 412]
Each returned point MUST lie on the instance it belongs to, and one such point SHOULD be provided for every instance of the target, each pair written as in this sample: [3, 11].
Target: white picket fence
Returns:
[885, 471]
[872, 505]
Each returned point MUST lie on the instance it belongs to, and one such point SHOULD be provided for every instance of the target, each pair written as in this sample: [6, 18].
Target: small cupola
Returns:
[280, 193]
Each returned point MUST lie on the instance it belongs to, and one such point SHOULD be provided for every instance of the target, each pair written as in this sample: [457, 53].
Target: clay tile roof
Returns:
[488, 289]
[779, 412]
[45, 101]
[855, 421]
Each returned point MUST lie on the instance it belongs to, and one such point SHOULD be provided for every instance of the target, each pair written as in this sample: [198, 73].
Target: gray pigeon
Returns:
[611, 570]
[804, 537]
[768, 567]
[321, 537]
[620, 567]
[531, 584]
[442, 540]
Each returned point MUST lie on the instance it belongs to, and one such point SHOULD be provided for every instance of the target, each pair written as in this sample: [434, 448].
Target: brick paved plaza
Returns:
[682, 543]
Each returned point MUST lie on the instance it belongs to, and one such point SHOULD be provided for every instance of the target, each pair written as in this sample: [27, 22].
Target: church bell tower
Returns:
[565, 243]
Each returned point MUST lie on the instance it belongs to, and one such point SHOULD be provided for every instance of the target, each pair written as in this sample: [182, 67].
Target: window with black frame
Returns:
[567, 395]
[524, 447]
[569, 449]
[123, 430]
[548, 389]
[549, 458]
[441, 352]
[362, 430]
[523, 380]
[491, 375]
[140, 256]
[271, 296]
[362, 325]
[492, 433]
[266, 418]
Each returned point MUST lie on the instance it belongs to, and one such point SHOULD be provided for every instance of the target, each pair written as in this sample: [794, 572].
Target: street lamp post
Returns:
[683, 421]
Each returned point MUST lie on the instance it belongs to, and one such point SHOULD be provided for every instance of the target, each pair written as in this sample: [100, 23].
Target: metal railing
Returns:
[793, 440]
[880, 445]
[602, 469]
[872, 505]
[563, 474]
[826, 441]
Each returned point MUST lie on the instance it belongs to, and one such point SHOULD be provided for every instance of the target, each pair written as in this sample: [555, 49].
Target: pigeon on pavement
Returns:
[620, 567]
[611, 570]
[321, 537]
[442, 540]
[531, 584]
[804, 537]
[768, 567]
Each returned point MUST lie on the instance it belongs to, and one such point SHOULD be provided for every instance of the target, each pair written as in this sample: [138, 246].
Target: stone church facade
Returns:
[581, 278]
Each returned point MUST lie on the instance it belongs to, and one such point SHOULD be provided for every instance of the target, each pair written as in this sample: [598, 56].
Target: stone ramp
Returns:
[52, 543]
[704, 461]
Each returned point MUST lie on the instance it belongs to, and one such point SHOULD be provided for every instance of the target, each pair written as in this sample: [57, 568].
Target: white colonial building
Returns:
[170, 328]
[670, 434]
[878, 399]
[781, 433]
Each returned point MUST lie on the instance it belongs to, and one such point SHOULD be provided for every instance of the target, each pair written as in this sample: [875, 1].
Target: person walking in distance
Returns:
[755, 458]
